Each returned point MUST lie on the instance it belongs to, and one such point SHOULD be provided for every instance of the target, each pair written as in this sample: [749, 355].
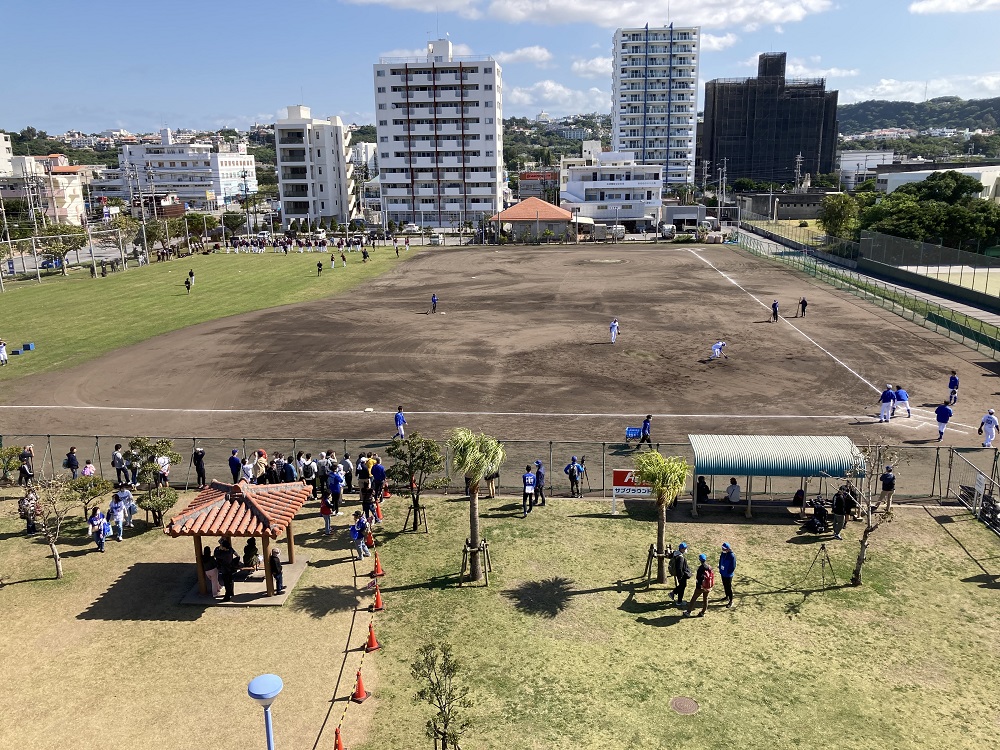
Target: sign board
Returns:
[624, 484]
[10, 266]
[210, 195]
[980, 490]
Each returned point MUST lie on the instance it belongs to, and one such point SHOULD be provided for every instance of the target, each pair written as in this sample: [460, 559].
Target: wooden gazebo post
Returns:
[290, 539]
[266, 551]
[202, 582]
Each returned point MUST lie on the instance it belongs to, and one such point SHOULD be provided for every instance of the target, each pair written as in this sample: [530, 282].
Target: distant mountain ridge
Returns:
[943, 112]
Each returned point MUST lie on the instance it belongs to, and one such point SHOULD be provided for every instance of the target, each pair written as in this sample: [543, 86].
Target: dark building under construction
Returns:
[758, 127]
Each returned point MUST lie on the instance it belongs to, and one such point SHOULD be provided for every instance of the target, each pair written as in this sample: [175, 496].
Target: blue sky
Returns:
[213, 63]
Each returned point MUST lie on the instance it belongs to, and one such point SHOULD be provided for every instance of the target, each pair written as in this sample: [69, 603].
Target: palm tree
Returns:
[666, 477]
[475, 456]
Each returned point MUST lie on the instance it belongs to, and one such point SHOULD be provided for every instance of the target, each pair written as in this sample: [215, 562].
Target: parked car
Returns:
[411, 229]
[437, 239]
[52, 263]
[616, 232]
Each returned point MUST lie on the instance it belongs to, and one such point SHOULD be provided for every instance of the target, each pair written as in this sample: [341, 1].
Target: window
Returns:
[489, 120]
[487, 70]
[488, 87]
[380, 73]
[173, 164]
[322, 204]
[381, 89]
[487, 104]
[321, 187]
[383, 123]
[383, 139]
[489, 137]
[184, 163]
[381, 106]
[385, 154]
[489, 153]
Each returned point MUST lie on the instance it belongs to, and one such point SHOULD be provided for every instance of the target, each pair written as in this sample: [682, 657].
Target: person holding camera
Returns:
[574, 471]
[679, 569]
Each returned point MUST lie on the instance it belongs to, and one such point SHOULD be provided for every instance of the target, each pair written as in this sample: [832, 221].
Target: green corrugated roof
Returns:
[774, 455]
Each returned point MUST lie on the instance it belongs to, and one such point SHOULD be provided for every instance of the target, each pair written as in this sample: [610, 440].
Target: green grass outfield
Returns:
[74, 319]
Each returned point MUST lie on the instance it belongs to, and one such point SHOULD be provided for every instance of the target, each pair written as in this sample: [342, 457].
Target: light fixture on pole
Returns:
[264, 690]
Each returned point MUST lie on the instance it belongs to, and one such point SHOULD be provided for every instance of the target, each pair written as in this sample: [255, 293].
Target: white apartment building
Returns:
[52, 188]
[611, 187]
[440, 137]
[315, 173]
[365, 154]
[200, 177]
[6, 155]
[655, 97]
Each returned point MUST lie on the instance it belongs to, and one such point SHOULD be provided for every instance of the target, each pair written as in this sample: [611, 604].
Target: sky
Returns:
[217, 63]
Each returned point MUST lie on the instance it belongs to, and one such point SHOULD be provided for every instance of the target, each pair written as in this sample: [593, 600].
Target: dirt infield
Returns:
[520, 348]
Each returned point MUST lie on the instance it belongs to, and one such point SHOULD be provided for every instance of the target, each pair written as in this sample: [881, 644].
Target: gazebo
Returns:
[772, 456]
[242, 510]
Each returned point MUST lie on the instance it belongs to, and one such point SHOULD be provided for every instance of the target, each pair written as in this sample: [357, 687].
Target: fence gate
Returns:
[976, 489]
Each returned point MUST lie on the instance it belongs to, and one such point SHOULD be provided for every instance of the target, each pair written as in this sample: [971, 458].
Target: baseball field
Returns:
[566, 648]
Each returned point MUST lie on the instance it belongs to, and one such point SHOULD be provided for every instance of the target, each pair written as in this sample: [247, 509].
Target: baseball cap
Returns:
[888, 468]
[702, 557]
[573, 459]
[538, 463]
[725, 546]
[990, 411]
[682, 545]
[235, 451]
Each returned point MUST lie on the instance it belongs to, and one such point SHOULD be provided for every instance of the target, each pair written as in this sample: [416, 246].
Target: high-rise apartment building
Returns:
[655, 98]
[440, 137]
[315, 172]
[760, 127]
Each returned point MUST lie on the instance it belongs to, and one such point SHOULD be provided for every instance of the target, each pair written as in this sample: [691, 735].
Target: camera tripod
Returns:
[823, 558]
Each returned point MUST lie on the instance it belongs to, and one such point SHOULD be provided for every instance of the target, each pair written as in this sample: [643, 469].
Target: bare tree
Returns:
[436, 666]
[877, 454]
[56, 501]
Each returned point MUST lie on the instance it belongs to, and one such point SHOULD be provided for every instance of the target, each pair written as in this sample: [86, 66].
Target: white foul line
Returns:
[830, 354]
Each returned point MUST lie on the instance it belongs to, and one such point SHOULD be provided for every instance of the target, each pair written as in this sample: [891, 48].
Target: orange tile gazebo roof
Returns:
[240, 510]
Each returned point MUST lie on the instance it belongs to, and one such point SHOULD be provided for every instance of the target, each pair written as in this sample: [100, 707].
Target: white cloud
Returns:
[536, 55]
[555, 98]
[610, 14]
[983, 86]
[713, 43]
[457, 49]
[595, 67]
[797, 67]
[953, 6]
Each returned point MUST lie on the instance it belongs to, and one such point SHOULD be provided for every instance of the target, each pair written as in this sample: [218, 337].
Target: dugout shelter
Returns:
[766, 456]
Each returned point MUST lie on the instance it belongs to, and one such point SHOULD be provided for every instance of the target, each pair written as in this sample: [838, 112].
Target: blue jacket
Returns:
[288, 472]
[727, 564]
[539, 477]
[400, 419]
[529, 481]
[378, 473]
[645, 427]
[902, 395]
[335, 482]
[235, 465]
[953, 382]
[943, 413]
[578, 467]
[888, 396]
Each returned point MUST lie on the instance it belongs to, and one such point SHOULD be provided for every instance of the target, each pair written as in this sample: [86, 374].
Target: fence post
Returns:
[97, 453]
[48, 448]
[951, 458]
[551, 468]
[604, 470]
[244, 447]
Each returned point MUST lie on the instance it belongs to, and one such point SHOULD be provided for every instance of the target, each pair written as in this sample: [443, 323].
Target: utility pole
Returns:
[705, 164]
[798, 171]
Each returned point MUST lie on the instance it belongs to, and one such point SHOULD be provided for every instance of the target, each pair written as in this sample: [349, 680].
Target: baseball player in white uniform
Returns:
[614, 329]
[988, 427]
[717, 350]
[3, 352]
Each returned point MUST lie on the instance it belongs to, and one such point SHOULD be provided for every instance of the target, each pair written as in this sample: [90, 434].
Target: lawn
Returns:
[565, 649]
[76, 318]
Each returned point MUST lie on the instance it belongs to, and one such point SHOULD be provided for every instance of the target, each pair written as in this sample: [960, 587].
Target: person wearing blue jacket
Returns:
[953, 388]
[574, 471]
[236, 465]
[944, 413]
[727, 569]
[539, 484]
[528, 498]
[902, 401]
[888, 402]
[400, 421]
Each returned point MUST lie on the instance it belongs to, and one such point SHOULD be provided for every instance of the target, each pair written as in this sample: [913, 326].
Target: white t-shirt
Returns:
[164, 463]
[733, 493]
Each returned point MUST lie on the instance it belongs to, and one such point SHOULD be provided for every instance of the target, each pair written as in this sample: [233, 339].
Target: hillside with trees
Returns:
[943, 112]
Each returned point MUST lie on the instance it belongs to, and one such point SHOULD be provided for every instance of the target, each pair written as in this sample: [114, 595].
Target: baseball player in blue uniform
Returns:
[944, 413]
[888, 401]
[774, 311]
[953, 388]
[902, 401]
[400, 421]
[717, 350]
[528, 499]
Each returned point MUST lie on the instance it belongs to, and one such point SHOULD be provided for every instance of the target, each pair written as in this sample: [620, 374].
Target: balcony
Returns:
[295, 191]
[296, 158]
[291, 140]
[294, 173]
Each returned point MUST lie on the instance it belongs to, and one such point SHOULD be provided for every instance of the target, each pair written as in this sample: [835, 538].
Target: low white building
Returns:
[855, 167]
[6, 155]
[201, 177]
[989, 177]
[315, 172]
[49, 185]
[611, 187]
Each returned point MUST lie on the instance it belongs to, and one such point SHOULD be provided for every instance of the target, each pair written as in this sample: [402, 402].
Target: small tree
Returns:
[156, 500]
[56, 501]
[89, 489]
[838, 215]
[233, 220]
[59, 240]
[666, 477]
[436, 666]
[876, 454]
[417, 458]
[293, 226]
[475, 456]
[10, 460]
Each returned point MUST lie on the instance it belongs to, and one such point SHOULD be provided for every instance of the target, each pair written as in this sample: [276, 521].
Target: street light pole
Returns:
[246, 199]
[264, 690]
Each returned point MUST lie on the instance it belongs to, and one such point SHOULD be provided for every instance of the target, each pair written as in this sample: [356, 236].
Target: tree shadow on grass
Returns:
[147, 592]
[545, 598]
[318, 601]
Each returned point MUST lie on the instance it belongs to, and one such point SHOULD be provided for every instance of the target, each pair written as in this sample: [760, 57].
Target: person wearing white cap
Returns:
[888, 401]
[717, 350]
[989, 427]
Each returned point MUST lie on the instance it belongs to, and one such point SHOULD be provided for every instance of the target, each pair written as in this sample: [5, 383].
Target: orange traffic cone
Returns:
[372, 644]
[360, 694]
[386, 494]
[378, 512]
[369, 539]
[377, 606]
[377, 571]
[340, 743]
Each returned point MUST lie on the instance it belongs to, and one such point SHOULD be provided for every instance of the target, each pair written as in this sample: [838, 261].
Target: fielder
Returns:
[953, 389]
[614, 329]
[717, 350]
[989, 427]
[888, 401]
[944, 413]
[902, 401]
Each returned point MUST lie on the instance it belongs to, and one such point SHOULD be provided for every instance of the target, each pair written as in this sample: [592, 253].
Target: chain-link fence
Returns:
[797, 237]
[971, 270]
[972, 480]
[923, 471]
[972, 332]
